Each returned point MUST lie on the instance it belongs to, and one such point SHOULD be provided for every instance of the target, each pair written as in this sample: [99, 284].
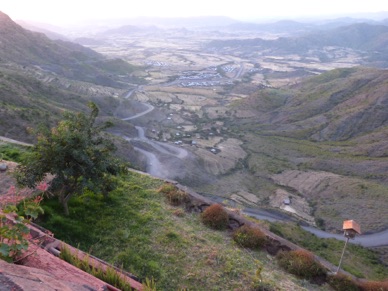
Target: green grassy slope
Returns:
[137, 229]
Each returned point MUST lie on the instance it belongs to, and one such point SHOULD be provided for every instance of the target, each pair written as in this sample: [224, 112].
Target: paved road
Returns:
[369, 240]
[377, 239]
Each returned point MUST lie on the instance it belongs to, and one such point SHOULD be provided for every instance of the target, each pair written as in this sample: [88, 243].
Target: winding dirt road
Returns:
[155, 151]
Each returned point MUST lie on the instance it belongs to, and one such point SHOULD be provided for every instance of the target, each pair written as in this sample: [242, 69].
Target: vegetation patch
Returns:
[249, 237]
[359, 261]
[373, 286]
[173, 194]
[341, 282]
[11, 152]
[137, 229]
[215, 216]
[110, 275]
[301, 263]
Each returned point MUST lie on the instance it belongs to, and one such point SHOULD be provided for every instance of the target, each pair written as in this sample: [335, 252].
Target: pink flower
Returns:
[43, 186]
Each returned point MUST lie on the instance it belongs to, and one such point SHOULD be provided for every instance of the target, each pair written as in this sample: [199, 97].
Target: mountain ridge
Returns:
[62, 58]
[369, 39]
[337, 105]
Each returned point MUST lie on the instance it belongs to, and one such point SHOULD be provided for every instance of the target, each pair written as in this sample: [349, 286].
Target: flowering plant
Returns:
[14, 232]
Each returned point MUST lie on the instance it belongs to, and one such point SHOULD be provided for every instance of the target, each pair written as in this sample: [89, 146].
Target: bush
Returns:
[374, 286]
[249, 237]
[215, 216]
[300, 263]
[341, 282]
[166, 188]
[177, 197]
[174, 195]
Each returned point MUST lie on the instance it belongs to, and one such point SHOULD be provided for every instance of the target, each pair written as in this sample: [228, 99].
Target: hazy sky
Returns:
[72, 11]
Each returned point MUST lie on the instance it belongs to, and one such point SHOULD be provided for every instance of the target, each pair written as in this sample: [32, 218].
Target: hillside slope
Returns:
[67, 59]
[338, 105]
[40, 78]
[323, 140]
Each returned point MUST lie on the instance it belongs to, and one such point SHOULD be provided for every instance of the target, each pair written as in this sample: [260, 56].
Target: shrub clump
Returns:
[341, 282]
[174, 195]
[301, 263]
[177, 197]
[215, 216]
[373, 286]
[166, 188]
[249, 237]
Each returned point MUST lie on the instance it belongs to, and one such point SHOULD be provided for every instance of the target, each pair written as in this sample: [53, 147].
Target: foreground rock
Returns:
[16, 277]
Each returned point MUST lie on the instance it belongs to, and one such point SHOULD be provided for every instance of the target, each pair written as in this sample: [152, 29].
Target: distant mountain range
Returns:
[361, 36]
[225, 24]
[289, 27]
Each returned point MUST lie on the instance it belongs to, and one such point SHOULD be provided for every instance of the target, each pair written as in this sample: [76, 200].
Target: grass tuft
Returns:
[110, 275]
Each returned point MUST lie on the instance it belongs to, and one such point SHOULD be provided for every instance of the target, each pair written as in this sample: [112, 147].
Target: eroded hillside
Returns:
[325, 140]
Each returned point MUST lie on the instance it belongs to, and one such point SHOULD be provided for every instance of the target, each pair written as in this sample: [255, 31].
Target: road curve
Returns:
[154, 166]
[148, 110]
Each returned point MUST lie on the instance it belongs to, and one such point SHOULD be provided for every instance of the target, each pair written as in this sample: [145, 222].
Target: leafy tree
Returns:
[77, 155]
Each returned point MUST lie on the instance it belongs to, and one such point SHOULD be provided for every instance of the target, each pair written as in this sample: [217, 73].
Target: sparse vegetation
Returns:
[110, 275]
[341, 282]
[174, 195]
[249, 237]
[215, 217]
[374, 286]
[301, 263]
[359, 261]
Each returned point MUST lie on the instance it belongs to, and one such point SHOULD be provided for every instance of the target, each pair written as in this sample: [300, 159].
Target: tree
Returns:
[76, 153]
